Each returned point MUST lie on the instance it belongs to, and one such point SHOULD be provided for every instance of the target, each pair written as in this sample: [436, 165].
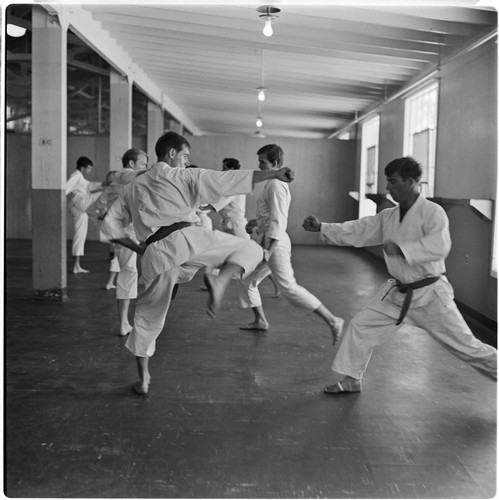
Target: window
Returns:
[18, 120]
[369, 166]
[420, 130]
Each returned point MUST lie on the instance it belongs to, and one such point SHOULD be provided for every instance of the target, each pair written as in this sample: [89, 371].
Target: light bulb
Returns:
[259, 122]
[267, 29]
[261, 95]
[15, 31]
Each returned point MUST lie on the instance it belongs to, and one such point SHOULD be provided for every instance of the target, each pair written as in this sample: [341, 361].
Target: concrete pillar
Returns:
[48, 157]
[120, 135]
[155, 129]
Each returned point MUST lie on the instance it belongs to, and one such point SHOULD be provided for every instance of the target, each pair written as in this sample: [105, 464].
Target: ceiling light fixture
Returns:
[268, 15]
[15, 31]
[259, 121]
[261, 89]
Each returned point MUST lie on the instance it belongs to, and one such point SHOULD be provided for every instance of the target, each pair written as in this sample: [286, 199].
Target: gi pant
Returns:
[77, 207]
[154, 295]
[80, 222]
[114, 265]
[126, 280]
[432, 309]
[279, 265]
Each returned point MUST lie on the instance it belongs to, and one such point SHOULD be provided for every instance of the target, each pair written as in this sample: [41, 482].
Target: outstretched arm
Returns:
[366, 231]
[284, 174]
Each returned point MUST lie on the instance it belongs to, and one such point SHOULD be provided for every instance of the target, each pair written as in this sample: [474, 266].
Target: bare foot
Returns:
[142, 386]
[79, 270]
[277, 294]
[110, 286]
[337, 329]
[216, 294]
[259, 326]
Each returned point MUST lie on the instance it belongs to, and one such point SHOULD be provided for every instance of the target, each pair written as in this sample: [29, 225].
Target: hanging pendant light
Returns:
[268, 15]
[261, 89]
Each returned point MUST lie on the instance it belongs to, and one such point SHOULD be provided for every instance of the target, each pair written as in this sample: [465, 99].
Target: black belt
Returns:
[408, 288]
[164, 231]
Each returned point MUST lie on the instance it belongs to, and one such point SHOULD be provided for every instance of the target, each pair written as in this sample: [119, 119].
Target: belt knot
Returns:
[407, 289]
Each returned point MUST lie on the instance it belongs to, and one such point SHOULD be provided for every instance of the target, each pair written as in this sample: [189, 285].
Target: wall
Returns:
[325, 171]
[468, 264]
[467, 126]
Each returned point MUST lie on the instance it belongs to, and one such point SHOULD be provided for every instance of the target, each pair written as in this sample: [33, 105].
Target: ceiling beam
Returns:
[89, 30]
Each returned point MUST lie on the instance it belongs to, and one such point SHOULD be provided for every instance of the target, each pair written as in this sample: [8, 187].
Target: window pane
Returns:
[420, 136]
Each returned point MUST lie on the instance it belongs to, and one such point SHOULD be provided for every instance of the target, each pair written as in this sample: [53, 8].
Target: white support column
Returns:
[120, 134]
[48, 165]
[155, 129]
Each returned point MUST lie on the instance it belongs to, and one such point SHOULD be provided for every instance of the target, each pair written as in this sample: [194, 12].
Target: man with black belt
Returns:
[162, 206]
[416, 240]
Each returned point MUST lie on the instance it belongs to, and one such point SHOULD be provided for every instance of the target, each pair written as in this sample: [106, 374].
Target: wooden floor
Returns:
[234, 414]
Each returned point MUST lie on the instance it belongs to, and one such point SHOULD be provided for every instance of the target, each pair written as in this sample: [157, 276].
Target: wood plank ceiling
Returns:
[326, 63]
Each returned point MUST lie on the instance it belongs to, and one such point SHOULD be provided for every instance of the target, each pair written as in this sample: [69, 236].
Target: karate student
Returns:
[162, 204]
[416, 240]
[82, 193]
[134, 163]
[231, 210]
[272, 220]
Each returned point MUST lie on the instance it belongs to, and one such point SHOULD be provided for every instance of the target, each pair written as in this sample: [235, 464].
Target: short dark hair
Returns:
[110, 176]
[407, 167]
[133, 155]
[168, 141]
[273, 152]
[83, 162]
[232, 163]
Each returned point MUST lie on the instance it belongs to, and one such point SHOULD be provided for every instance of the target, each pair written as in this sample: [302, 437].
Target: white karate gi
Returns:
[232, 211]
[78, 206]
[204, 219]
[97, 211]
[127, 278]
[272, 219]
[162, 196]
[423, 236]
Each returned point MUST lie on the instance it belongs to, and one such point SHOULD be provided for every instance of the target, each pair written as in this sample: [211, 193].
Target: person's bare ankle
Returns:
[125, 330]
[142, 386]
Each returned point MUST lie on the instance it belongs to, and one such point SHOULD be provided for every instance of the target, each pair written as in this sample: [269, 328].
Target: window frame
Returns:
[369, 139]
[421, 116]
